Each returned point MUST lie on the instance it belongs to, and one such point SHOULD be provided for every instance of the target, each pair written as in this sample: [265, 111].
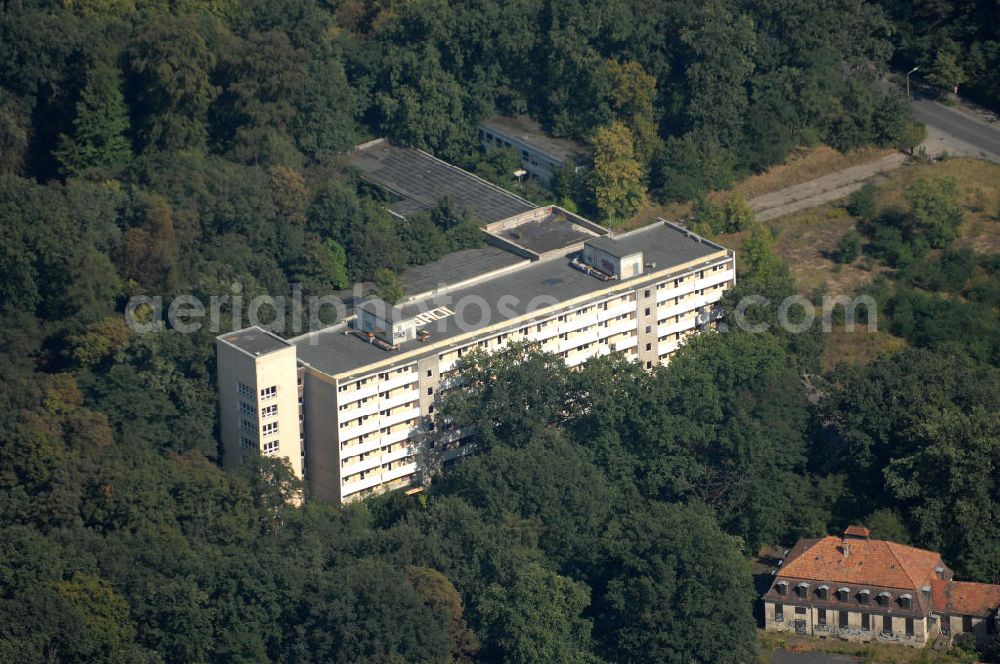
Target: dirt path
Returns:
[823, 189]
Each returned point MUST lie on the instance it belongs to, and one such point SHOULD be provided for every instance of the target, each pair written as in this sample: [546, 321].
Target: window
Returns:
[430, 372]
[863, 597]
[866, 621]
[247, 425]
[781, 587]
[270, 428]
[649, 328]
[649, 346]
[909, 626]
[271, 447]
[779, 613]
[269, 411]
[430, 390]
[966, 624]
[646, 293]
[842, 621]
[246, 443]
[245, 390]
[887, 624]
[269, 392]
[823, 592]
[802, 589]
[883, 598]
[647, 311]
[822, 616]
[905, 601]
[800, 610]
[245, 408]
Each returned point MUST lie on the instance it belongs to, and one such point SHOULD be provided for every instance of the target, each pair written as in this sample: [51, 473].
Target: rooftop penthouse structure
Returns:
[352, 405]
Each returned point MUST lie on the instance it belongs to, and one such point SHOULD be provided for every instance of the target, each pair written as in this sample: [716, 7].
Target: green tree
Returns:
[760, 258]
[945, 71]
[721, 43]
[709, 215]
[739, 214]
[171, 66]
[338, 264]
[662, 601]
[849, 247]
[617, 178]
[862, 202]
[388, 286]
[508, 397]
[536, 617]
[632, 96]
[101, 126]
[935, 213]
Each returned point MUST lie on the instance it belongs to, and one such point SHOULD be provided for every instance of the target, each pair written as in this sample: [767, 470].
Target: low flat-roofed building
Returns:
[540, 154]
[857, 588]
[418, 182]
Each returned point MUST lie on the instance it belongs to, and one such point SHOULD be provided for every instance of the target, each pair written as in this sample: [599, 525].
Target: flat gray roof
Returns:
[551, 232]
[531, 133]
[536, 285]
[255, 341]
[457, 267]
[421, 181]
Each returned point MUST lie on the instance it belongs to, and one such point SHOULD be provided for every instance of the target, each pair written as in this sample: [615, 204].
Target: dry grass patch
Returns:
[803, 165]
[857, 347]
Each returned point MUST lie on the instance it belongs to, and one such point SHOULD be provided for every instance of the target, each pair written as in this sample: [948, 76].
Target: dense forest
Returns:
[165, 148]
[956, 45]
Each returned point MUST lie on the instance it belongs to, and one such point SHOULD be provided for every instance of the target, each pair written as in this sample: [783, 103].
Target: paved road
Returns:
[959, 124]
[948, 130]
[782, 657]
[822, 190]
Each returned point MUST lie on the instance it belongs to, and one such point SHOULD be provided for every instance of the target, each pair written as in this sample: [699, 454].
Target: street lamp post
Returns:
[908, 81]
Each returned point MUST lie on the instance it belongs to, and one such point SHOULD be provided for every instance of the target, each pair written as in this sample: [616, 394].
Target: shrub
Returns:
[849, 247]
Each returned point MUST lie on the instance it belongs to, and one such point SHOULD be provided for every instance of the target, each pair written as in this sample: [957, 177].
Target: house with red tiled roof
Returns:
[860, 588]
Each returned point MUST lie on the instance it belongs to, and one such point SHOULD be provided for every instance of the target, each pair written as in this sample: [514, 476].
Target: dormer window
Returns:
[781, 587]
[884, 598]
[823, 592]
[843, 594]
[906, 601]
[802, 589]
[864, 596]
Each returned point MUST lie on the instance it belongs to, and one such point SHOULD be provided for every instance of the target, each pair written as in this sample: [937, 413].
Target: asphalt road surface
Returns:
[976, 133]
[782, 657]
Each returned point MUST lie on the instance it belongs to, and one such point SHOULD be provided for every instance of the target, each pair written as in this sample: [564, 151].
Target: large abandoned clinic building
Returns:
[350, 406]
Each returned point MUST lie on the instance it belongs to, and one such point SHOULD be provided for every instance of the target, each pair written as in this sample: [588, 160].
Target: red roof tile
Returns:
[865, 562]
[964, 598]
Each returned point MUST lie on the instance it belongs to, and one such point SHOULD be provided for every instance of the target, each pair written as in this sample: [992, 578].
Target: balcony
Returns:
[395, 381]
